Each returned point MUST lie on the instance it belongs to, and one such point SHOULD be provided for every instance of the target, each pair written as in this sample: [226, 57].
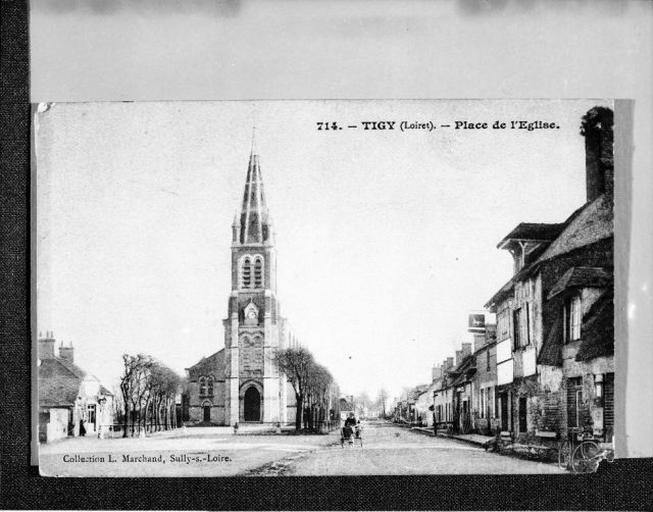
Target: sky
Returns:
[386, 239]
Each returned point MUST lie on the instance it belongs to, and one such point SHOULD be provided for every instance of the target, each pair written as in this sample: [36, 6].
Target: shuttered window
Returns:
[574, 401]
[608, 407]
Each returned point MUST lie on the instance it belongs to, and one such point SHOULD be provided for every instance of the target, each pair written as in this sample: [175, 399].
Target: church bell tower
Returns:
[252, 382]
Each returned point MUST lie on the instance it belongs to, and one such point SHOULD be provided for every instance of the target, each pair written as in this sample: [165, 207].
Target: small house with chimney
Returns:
[72, 402]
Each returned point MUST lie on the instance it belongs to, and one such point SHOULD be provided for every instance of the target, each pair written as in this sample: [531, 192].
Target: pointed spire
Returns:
[253, 224]
[253, 150]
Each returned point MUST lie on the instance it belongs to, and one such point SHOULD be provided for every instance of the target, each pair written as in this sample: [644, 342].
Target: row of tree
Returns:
[315, 391]
[148, 389]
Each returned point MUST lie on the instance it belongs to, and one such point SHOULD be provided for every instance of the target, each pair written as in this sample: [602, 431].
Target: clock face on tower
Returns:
[251, 314]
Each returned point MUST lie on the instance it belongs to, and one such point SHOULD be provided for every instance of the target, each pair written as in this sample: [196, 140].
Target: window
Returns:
[202, 386]
[574, 402]
[516, 326]
[527, 327]
[490, 403]
[572, 318]
[487, 360]
[482, 404]
[258, 273]
[246, 273]
[90, 412]
[209, 386]
[522, 326]
[503, 324]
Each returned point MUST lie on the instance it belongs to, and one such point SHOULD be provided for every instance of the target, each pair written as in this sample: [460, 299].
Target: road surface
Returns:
[215, 451]
[392, 450]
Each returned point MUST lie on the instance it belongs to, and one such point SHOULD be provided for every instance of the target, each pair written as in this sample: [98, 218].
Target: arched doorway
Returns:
[252, 404]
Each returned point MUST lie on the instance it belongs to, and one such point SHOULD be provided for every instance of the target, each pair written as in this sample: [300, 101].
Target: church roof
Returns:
[211, 365]
[254, 221]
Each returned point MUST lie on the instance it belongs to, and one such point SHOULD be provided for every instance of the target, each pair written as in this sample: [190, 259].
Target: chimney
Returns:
[46, 346]
[436, 373]
[67, 353]
[596, 127]
[459, 356]
[449, 362]
[466, 349]
[479, 341]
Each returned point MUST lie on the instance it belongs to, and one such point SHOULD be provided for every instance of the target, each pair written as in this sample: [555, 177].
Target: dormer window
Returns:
[572, 318]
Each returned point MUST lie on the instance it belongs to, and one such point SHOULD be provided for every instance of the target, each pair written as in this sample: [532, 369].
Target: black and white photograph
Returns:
[322, 288]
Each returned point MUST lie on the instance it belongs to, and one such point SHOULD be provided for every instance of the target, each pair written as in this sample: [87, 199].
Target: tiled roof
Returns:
[597, 329]
[590, 223]
[581, 277]
[503, 292]
[104, 391]
[533, 231]
[59, 382]
[346, 405]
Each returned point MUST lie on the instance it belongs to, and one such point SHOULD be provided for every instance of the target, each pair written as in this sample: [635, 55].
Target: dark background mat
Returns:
[624, 484]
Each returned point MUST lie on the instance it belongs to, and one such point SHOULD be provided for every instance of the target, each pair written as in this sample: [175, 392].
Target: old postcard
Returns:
[324, 287]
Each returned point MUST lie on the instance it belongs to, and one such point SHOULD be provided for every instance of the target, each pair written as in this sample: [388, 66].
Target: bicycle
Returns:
[567, 446]
[587, 456]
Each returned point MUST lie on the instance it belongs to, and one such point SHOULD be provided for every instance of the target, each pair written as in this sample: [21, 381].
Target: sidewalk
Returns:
[476, 439]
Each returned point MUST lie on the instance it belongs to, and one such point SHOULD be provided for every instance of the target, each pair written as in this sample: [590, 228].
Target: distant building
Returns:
[484, 381]
[346, 406]
[71, 401]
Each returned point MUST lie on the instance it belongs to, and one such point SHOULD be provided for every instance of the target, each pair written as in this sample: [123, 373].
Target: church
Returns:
[241, 383]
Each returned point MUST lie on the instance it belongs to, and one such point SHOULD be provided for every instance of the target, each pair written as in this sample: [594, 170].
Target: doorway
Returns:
[207, 413]
[503, 403]
[252, 404]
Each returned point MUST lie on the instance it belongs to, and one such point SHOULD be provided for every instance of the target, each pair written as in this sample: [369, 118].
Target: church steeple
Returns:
[254, 225]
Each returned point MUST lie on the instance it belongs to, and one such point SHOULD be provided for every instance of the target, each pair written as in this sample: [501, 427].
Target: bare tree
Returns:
[133, 386]
[148, 388]
[311, 382]
[295, 363]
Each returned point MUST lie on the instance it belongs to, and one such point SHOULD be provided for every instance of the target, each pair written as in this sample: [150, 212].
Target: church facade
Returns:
[241, 383]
